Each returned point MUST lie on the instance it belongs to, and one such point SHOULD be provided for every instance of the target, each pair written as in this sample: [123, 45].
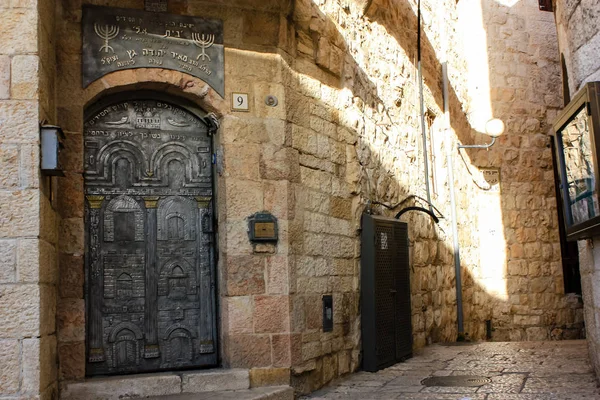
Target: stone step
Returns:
[262, 393]
[158, 384]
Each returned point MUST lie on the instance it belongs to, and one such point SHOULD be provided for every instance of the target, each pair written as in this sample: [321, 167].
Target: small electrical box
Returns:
[262, 227]
[51, 138]
[327, 313]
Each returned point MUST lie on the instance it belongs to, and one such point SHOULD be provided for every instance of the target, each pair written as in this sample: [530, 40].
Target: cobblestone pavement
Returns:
[557, 370]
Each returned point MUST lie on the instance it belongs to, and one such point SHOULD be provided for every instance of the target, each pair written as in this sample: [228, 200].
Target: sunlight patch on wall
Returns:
[474, 37]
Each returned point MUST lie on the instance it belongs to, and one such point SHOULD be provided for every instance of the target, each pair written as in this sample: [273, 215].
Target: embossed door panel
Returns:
[149, 239]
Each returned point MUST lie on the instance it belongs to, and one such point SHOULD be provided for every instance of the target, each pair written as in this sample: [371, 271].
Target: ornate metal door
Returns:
[149, 251]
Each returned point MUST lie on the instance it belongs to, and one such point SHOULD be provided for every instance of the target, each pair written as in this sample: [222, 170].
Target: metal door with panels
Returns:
[150, 297]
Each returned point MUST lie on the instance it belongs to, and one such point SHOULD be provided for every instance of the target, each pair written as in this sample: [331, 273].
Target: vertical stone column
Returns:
[151, 349]
[96, 353]
[204, 265]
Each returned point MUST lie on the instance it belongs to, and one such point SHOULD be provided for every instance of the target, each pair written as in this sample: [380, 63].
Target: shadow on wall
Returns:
[380, 113]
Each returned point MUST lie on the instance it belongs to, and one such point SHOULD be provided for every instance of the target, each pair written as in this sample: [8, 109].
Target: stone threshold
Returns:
[260, 393]
[157, 384]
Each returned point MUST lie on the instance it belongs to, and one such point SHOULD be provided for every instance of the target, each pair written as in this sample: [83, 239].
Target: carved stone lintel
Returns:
[95, 201]
[151, 201]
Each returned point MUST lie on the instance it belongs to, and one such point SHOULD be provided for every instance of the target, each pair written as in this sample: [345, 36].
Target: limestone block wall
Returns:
[255, 171]
[578, 28]
[524, 91]
[344, 136]
[28, 222]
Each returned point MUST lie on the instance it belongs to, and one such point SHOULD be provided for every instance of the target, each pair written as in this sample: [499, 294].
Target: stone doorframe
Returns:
[71, 305]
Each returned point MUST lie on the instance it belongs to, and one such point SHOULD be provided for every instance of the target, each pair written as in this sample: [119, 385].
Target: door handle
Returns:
[393, 291]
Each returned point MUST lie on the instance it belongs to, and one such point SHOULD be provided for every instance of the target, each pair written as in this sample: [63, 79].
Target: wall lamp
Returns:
[51, 138]
[493, 128]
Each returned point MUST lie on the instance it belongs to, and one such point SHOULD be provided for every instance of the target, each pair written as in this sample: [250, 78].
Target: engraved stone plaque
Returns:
[115, 39]
[149, 247]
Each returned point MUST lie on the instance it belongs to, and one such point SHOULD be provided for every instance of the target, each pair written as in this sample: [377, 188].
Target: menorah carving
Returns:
[106, 32]
[204, 42]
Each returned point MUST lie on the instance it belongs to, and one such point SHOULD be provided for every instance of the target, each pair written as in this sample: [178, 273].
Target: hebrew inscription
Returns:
[116, 39]
[149, 250]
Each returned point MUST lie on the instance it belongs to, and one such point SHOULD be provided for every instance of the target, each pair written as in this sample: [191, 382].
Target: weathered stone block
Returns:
[39, 364]
[24, 77]
[37, 261]
[122, 387]
[71, 200]
[260, 377]
[71, 236]
[4, 77]
[19, 31]
[71, 320]
[278, 274]
[237, 314]
[19, 213]
[8, 260]
[242, 160]
[271, 314]
[10, 367]
[71, 359]
[9, 165]
[71, 276]
[261, 28]
[20, 311]
[215, 380]
[246, 351]
[245, 275]
[279, 164]
[244, 198]
[282, 350]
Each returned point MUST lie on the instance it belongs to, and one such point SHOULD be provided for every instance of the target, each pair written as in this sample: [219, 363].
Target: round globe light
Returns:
[494, 127]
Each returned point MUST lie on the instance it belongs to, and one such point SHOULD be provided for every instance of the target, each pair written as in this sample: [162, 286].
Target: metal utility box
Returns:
[385, 293]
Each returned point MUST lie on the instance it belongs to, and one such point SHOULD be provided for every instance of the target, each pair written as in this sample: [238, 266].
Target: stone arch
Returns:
[171, 83]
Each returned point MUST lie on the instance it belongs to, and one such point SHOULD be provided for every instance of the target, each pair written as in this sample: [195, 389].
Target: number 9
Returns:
[240, 100]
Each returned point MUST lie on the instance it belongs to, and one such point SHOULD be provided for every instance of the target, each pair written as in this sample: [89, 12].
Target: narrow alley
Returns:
[557, 370]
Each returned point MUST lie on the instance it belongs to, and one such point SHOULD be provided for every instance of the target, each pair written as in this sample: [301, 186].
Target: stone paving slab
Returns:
[551, 370]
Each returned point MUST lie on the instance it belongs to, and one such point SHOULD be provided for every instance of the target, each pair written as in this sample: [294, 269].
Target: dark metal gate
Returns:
[150, 244]
[385, 292]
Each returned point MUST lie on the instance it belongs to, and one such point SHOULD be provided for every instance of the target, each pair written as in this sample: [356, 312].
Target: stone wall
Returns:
[524, 91]
[344, 137]
[578, 28]
[28, 223]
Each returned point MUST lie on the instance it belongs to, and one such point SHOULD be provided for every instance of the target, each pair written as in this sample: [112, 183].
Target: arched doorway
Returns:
[149, 191]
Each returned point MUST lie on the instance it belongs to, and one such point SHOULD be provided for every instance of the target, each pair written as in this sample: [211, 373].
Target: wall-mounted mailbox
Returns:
[577, 134]
[51, 138]
[262, 227]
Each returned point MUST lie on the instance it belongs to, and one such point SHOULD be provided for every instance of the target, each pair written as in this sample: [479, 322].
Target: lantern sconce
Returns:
[493, 128]
[51, 138]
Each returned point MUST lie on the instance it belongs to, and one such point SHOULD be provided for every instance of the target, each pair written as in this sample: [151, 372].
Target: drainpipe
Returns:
[459, 305]
[422, 101]
[449, 166]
